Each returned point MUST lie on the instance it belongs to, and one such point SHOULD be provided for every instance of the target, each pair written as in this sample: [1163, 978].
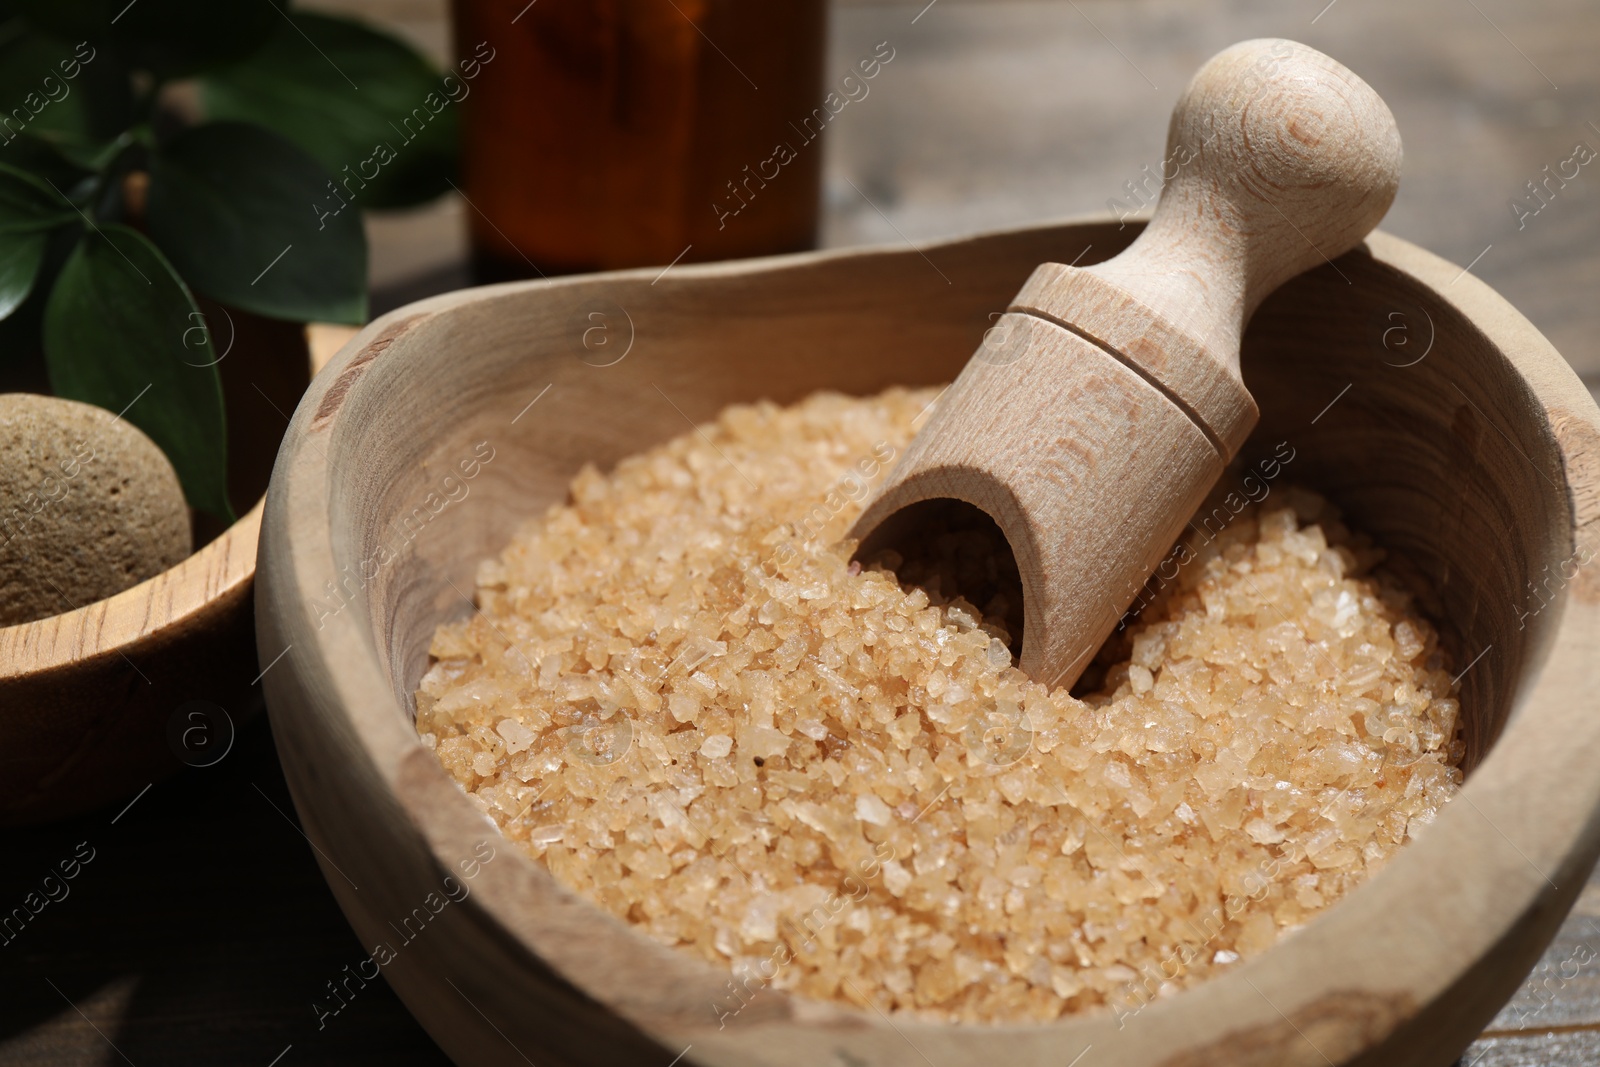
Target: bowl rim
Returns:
[164, 603]
[1475, 922]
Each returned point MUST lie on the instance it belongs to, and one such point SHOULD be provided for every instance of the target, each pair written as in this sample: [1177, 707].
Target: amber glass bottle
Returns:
[620, 133]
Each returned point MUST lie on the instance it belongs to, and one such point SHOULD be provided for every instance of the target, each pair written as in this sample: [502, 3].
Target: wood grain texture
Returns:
[1208, 389]
[1089, 470]
[1442, 463]
[1550, 1049]
[86, 695]
[1282, 159]
[994, 113]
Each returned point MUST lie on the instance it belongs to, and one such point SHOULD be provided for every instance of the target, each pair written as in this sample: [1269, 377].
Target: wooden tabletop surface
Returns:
[200, 930]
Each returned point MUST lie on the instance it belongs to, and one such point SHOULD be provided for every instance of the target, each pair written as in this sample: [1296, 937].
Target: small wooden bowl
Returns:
[1477, 465]
[86, 697]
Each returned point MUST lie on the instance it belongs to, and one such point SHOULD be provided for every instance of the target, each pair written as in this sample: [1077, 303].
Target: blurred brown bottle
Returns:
[621, 133]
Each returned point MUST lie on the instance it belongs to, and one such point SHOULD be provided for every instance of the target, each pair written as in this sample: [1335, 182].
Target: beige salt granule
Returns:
[682, 698]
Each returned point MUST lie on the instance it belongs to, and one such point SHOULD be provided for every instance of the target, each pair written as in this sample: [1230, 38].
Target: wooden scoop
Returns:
[1107, 401]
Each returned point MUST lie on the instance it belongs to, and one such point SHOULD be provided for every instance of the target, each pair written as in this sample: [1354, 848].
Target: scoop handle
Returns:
[1279, 159]
[1092, 425]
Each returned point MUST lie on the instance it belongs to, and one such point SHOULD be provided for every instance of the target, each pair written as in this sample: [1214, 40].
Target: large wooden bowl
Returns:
[87, 696]
[1477, 466]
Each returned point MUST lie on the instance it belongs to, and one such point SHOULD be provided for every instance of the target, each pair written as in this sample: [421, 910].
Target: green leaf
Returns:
[22, 363]
[29, 203]
[29, 210]
[42, 159]
[21, 256]
[375, 113]
[247, 219]
[170, 38]
[73, 96]
[121, 330]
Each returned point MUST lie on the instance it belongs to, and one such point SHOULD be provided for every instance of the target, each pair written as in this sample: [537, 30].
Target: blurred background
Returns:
[999, 113]
[201, 930]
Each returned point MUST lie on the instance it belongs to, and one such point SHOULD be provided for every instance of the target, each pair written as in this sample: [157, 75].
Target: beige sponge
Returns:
[88, 507]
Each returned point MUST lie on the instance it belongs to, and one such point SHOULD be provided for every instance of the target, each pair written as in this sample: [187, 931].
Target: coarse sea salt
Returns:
[723, 728]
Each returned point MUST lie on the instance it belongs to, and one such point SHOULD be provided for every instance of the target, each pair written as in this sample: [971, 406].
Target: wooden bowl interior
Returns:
[457, 419]
[1464, 498]
[740, 341]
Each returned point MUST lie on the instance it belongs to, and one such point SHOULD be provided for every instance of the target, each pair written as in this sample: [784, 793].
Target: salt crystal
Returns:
[1263, 832]
[870, 809]
[1140, 678]
[683, 707]
[896, 878]
[679, 615]
[518, 737]
[760, 921]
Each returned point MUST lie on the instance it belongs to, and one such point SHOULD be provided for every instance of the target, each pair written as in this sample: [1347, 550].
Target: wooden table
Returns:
[201, 931]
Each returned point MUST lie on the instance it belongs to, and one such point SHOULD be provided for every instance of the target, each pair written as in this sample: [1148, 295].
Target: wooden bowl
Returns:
[87, 696]
[1477, 465]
